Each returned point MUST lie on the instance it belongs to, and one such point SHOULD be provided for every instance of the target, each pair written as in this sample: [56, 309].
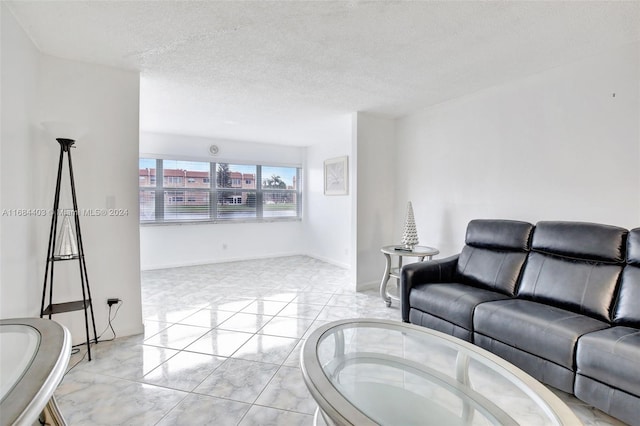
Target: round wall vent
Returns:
[213, 150]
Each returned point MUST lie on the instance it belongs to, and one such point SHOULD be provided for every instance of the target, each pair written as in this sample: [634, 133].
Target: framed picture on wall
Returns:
[336, 172]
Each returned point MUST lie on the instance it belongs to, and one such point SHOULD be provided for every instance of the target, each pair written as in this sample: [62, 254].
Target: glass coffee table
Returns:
[367, 372]
[34, 354]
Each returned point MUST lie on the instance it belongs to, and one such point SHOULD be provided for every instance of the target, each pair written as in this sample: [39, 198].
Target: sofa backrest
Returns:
[494, 254]
[575, 266]
[627, 309]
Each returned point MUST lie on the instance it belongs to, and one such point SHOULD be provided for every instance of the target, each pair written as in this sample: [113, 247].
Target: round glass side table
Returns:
[389, 271]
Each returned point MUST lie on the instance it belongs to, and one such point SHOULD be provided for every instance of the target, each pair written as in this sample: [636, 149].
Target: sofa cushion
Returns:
[490, 269]
[633, 247]
[452, 302]
[581, 240]
[619, 404]
[584, 287]
[611, 356]
[627, 309]
[542, 330]
[545, 371]
[494, 254]
[510, 235]
[426, 320]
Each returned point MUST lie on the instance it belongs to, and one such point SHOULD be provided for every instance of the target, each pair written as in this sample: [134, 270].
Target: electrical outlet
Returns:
[113, 301]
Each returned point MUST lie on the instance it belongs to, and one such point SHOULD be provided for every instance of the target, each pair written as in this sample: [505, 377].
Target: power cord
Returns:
[76, 348]
[109, 325]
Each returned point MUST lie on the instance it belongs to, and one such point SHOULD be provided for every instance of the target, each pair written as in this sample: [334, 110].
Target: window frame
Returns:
[158, 189]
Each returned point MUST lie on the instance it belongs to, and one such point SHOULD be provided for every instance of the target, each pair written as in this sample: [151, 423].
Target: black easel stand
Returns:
[85, 303]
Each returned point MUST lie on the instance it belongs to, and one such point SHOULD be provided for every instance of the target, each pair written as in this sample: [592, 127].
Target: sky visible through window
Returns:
[147, 163]
[287, 174]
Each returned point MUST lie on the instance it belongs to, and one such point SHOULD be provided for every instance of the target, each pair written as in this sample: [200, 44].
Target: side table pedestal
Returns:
[389, 271]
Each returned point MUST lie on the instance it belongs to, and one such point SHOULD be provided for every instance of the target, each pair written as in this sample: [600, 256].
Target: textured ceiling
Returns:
[290, 72]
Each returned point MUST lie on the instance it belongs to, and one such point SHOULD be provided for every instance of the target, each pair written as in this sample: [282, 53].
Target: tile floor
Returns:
[221, 346]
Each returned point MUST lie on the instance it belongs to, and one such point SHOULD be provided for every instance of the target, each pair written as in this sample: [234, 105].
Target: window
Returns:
[236, 199]
[186, 192]
[172, 180]
[280, 195]
[147, 192]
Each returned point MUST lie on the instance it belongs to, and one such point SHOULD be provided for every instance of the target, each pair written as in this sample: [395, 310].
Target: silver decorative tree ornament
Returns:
[410, 234]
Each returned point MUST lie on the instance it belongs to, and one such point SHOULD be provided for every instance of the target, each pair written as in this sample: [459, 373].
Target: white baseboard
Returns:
[329, 261]
[371, 285]
[238, 259]
[214, 261]
[129, 331]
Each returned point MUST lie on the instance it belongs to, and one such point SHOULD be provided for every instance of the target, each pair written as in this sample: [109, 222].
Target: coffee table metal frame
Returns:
[336, 409]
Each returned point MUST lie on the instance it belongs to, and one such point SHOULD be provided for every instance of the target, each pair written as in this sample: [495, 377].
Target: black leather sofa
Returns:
[561, 300]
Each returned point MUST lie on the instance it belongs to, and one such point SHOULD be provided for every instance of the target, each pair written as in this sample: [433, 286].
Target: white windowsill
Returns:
[220, 222]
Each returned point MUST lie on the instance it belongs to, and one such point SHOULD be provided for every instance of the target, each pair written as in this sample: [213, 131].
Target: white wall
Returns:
[197, 149]
[324, 233]
[20, 280]
[376, 186]
[102, 103]
[171, 245]
[555, 146]
[327, 223]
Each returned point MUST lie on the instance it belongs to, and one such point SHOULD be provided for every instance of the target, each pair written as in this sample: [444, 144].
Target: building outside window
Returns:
[186, 192]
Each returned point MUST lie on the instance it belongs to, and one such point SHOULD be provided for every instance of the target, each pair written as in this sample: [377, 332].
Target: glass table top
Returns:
[34, 354]
[19, 344]
[390, 373]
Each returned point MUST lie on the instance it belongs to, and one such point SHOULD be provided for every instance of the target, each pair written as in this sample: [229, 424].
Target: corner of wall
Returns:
[375, 187]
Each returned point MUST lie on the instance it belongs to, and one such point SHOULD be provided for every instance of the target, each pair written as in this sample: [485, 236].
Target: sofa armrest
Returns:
[430, 271]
